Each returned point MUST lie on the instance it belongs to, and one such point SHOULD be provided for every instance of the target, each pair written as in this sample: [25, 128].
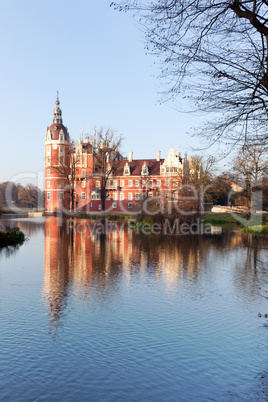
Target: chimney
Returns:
[130, 156]
[158, 153]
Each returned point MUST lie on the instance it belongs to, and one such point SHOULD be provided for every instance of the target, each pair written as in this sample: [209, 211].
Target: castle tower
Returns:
[57, 163]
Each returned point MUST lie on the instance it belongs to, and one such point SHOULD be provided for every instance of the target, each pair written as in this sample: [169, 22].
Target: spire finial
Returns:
[57, 100]
[57, 116]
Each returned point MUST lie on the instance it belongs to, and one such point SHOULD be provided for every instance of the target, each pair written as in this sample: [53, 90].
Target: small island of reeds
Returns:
[11, 237]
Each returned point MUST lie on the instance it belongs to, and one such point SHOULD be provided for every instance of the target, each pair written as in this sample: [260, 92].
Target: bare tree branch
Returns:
[213, 54]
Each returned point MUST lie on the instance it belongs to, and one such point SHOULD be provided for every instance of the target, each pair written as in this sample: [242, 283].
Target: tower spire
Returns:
[57, 114]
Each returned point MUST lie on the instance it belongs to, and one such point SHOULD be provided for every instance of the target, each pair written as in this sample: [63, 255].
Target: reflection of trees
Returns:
[27, 225]
[251, 270]
[31, 226]
[8, 251]
[93, 259]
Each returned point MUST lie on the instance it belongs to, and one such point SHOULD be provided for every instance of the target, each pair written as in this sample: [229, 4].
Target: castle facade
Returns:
[74, 182]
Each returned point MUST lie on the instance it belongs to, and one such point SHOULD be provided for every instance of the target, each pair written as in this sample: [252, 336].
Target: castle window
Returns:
[62, 160]
[95, 196]
[130, 183]
[167, 169]
[115, 184]
[126, 169]
[61, 196]
[61, 137]
[144, 183]
[167, 183]
[137, 183]
[150, 195]
[48, 151]
[48, 161]
[130, 197]
[108, 196]
[122, 196]
[48, 196]
[48, 172]
[122, 183]
[144, 170]
[83, 183]
[137, 196]
[114, 204]
[61, 150]
[158, 183]
[83, 172]
[48, 183]
[150, 183]
[115, 196]
[83, 196]
[97, 184]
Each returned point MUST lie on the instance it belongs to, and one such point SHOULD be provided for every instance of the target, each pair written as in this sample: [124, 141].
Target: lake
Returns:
[124, 316]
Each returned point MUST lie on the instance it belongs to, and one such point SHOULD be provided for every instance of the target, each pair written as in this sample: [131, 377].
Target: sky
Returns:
[94, 56]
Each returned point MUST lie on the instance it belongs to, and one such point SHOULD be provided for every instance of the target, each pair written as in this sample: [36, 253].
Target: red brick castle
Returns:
[130, 183]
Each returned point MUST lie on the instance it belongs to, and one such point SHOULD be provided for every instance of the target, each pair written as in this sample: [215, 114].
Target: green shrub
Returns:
[11, 237]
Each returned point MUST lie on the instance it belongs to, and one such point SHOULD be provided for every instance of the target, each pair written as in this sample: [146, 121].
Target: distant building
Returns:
[132, 181]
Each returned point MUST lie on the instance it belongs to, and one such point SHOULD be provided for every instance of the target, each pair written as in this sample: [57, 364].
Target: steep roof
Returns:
[136, 167]
[56, 129]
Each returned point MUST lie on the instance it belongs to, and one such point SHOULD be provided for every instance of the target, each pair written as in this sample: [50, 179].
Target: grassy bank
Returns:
[11, 237]
[220, 219]
[251, 223]
[257, 230]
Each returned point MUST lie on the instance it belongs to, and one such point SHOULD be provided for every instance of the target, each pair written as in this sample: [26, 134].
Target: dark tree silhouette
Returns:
[106, 152]
[215, 54]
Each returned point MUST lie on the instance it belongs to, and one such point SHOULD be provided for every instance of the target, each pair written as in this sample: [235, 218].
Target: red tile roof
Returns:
[136, 166]
[55, 130]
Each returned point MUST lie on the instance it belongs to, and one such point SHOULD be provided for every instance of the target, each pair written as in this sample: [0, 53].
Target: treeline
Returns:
[28, 196]
[225, 189]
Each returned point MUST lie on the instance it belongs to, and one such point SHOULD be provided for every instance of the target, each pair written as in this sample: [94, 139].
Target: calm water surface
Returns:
[131, 317]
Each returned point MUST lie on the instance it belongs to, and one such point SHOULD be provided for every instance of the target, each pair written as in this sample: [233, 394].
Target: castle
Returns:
[74, 180]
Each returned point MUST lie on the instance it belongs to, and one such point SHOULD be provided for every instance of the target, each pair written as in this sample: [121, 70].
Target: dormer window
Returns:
[126, 170]
[61, 137]
[144, 170]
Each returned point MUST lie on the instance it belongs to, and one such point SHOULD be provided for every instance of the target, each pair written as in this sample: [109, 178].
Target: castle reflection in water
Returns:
[81, 258]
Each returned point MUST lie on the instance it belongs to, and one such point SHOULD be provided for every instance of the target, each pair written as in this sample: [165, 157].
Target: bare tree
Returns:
[251, 162]
[196, 178]
[67, 169]
[106, 153]
[251, 165]
[215, 54]
[28, 195]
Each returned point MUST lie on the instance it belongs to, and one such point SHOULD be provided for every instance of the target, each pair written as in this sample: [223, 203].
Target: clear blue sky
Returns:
[95, 57]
